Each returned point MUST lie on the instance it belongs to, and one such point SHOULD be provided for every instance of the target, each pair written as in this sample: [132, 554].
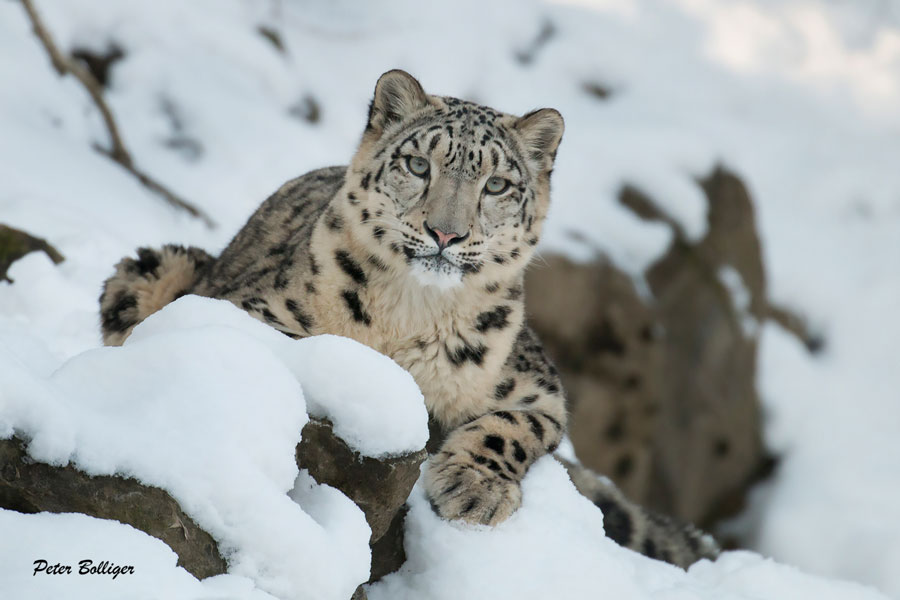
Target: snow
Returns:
[86, 538]
[798, 96]
[374, 405]
[553, 547]
[213, 417]
[731, 279]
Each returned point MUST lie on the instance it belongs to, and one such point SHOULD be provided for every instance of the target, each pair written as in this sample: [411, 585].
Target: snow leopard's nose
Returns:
[444, 239]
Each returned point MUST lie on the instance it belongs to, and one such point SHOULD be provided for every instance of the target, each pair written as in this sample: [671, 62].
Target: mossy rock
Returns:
[15, 243]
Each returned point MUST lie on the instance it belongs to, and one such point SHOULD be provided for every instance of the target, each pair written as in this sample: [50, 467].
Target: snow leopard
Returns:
[418, 249]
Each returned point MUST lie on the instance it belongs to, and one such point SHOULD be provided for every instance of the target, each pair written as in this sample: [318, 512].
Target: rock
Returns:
[388, 553]
[15, 243]
[30, 487]
[379, 487]
[709, 443]
[359, 594]
[662, 385]
[602, 336]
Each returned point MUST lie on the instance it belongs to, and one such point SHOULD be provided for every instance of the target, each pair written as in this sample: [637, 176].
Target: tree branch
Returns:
[117, 151]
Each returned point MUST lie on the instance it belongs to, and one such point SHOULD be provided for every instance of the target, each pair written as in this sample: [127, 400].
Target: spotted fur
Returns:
[356, 251]
[142, 286]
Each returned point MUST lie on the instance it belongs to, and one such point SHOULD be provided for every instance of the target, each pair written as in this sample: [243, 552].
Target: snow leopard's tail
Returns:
[639, 529]
[142, 286]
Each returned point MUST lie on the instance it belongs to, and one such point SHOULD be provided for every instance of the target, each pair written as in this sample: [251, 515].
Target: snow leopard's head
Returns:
[455, 191]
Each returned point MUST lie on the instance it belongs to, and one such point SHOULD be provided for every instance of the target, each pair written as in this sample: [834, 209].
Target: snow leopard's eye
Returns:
[417, 165]
[496, 185]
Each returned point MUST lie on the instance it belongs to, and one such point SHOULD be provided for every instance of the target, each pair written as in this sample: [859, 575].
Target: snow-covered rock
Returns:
[373, 404]
[213, 417]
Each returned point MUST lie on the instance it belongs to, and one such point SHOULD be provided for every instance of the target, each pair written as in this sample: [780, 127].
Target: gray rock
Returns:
[379, 487]
[30, 487]
[662, 385]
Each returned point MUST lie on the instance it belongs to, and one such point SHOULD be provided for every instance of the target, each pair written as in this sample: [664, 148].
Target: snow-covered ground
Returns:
[800, 97]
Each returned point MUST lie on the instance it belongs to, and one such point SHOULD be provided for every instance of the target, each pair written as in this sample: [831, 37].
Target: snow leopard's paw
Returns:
[459, 486]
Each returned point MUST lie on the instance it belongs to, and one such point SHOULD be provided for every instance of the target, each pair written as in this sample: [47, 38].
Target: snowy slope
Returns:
[799, 96]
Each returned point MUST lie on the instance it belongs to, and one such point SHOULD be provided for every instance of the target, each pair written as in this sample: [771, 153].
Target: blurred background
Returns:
[719, 280]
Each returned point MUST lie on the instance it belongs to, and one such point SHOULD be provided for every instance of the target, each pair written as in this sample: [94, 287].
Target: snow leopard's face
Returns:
[452, 188]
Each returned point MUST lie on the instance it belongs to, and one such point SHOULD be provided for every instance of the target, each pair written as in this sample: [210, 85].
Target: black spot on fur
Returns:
[649, 547]
[364, 183]
[479, 459]
[504, 388]
[529, 399]
[492, 287]
[466, 353]
[553, 421]
[514, 293]
[252, 302]
[518, 452]
[616, 522]
[377, 263]
[550, 386]
[496, 318]
[536, 428]
[453, 487]
[506, 416]
[495, 443]
[378, 231]
[270, 317]
[472, 267]
[364, 215]
[301, 317]
[351, 299]
[148, 261]
[522, 364]
[470, 506]
[494, 466]
[334, 220]
[113, 317]
[350, 267]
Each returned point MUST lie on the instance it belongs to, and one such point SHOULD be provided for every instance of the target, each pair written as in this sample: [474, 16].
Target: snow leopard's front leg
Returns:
[475, 475]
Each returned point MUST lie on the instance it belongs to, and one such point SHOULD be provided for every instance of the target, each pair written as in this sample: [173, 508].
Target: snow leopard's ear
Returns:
[541, 131]
[397, 95]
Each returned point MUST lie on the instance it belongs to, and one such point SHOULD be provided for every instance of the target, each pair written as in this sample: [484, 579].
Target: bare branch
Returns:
[797, 325]
[117, 151]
